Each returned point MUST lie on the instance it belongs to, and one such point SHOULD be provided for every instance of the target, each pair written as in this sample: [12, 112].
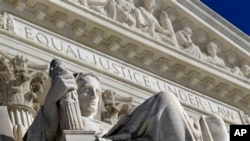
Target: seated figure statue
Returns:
[245, 70]
[152, 27]
[46, 125]
[186, 44]
[160, 118]
[213, 58]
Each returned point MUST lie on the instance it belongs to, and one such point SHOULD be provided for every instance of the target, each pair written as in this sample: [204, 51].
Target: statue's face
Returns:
[212, 49]
[149, 4]
[245, 70]
[88, 94]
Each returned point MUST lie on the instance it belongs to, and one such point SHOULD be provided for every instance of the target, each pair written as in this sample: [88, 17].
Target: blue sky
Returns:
[235, 11]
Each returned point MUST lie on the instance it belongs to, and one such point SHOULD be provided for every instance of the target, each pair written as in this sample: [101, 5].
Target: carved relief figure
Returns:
[167, 25]
[237, 71]
[114, 106]
[186, 44]
[159, 118]
[128, 13]
[212, 50]
[6, 21]
[152, 24]
[245, 69]
[3, 20]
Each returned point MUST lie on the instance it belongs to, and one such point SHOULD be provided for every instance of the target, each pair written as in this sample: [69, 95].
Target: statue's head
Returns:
[245, 70]
[89, 91]
[149, 5]
[188, 30]
[212, 48]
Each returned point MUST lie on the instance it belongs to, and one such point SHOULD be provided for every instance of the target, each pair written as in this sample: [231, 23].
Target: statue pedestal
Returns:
[78, 135]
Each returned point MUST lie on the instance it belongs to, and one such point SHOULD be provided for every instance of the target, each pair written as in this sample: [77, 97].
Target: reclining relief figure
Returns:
[160, 118]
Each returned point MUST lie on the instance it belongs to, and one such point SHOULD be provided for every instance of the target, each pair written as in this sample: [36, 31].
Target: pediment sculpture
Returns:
[212, 50]
[186, 44]
[159, 118]
[141, 17]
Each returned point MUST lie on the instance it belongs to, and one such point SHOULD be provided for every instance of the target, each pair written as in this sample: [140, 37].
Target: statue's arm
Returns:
[160, 29]
[47, 119]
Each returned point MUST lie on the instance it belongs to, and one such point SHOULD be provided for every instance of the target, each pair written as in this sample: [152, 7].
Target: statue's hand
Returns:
[61, 85]
[168, 33]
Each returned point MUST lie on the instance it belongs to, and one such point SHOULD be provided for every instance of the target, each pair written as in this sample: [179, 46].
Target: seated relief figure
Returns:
[167, 25]
[127, 13]
[245, 69]
[160, 118]
[153, 28]
[186, 44]
[212, 50]
[236, 70]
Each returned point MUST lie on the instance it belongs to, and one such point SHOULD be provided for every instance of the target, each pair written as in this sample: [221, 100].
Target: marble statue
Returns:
[47, 125]
[114, 106]
[68, 106]
[186, 44]
[212, 50]
[159, 118]
[162, 118]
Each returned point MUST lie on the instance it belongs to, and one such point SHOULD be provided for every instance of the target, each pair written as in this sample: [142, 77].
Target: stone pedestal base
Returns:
[78, 135]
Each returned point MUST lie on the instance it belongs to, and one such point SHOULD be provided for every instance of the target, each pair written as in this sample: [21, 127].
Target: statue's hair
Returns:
[213, 44]
[83, 75]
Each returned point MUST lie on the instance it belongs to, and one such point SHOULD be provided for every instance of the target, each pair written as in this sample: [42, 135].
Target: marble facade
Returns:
[136, 50]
